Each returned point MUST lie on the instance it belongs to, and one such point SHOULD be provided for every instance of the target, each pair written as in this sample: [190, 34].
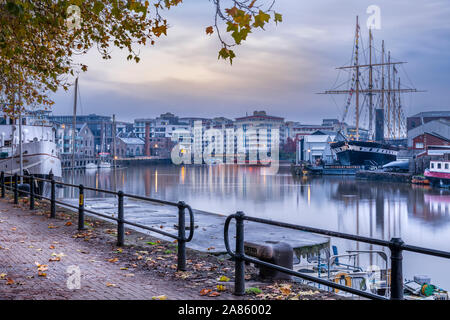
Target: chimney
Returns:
[147, 139]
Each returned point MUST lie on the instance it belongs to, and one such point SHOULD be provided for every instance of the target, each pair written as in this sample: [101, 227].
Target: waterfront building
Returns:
[221, 121]
[157, 133]
[161, 147]
[191, 121]
[84, 145]
[299, 131]
[422, 118]
[100, 126]
[257, 124]
[317, 146]
[303, 130]
[129, 147]
[431, 133]
[140, 125]
[123, 127]
[167, 123]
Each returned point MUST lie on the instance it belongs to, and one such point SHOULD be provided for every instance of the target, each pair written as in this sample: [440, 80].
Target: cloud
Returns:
[279, 70]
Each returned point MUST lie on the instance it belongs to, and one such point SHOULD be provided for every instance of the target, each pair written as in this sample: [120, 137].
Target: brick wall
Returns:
[428, 140]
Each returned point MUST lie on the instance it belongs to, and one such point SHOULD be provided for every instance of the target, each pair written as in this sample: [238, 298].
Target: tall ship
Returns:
[373, 88]
[27, 145]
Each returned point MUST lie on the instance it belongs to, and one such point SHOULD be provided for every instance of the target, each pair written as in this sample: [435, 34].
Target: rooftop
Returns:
[432, 114]
[132, 140]
[262, 115]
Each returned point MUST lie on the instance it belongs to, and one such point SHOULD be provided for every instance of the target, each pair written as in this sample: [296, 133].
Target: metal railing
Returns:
[121, 221]
[396, 246]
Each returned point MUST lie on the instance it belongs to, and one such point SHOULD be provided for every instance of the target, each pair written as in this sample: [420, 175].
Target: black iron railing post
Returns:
[52, 196]
[81, 208]
[396, 269]
[16, 192]
[2, 182]
[239, 274]
[120, 220]
[31, 192]
[181, 237]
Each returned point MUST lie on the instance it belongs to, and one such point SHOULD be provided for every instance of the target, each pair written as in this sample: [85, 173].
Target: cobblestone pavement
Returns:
[28, 240]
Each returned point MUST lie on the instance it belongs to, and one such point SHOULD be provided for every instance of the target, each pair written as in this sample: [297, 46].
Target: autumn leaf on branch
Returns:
[241, 19]
[42, 42]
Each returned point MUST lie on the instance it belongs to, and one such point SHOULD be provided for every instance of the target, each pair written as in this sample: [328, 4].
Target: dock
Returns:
[331, 170]
[208, 226]
[379, 175]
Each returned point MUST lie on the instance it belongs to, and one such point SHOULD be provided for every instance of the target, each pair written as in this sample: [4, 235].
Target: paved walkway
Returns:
[29, 239]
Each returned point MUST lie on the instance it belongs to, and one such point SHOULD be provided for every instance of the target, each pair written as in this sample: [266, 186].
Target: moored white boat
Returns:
[39, 150]
[91, 166]
[104, 165]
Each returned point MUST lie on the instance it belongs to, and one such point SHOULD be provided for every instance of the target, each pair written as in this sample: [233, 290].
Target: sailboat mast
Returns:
[370, 83]
[394, 102]
[382, 75]
[389, 96]
[357, 79]
[114, 140]
[399, 111]
[74, 124]
[20, 140]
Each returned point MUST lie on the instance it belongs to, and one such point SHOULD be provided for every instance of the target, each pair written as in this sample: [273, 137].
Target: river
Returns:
[419, 215]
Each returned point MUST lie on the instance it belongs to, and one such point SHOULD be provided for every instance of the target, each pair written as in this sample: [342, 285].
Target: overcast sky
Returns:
[279, 70]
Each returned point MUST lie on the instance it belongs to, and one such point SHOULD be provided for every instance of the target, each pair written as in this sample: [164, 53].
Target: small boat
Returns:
[439, 174]
[211, 162]
[91, 166]
[421, 289]
[343, 269]
[420, 180]
[104, 165]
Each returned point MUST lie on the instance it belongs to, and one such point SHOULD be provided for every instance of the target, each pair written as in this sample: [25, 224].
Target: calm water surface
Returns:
[419, 215]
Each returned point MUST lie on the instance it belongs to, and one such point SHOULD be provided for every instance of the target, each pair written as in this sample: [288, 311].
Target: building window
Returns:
[419, 145]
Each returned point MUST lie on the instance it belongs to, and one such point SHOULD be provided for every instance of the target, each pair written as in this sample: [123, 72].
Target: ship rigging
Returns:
[374, 86]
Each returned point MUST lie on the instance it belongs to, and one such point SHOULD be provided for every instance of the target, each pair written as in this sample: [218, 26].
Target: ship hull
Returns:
[39, 159]
[359, 153]
[438, 179]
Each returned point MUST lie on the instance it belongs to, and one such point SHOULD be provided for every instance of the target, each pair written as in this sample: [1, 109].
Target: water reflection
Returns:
[419, 215]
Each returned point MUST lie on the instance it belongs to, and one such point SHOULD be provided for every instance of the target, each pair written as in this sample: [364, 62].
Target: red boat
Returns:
[439, 174]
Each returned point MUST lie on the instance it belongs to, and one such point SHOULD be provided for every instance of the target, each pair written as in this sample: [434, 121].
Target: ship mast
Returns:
[370, 83]
[382, 77]
[394, 102]
[74, 130]
[399, 111]
[391, 89]
[357, 79]
[389, 96]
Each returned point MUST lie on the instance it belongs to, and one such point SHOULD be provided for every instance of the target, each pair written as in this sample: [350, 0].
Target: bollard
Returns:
[278, 253]
[81, 208]
[16, 193]
[52, 197]
[31, 192]
[396, 269]
[2, 182]
[239, 273]
[181, 237]
[120, 220]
